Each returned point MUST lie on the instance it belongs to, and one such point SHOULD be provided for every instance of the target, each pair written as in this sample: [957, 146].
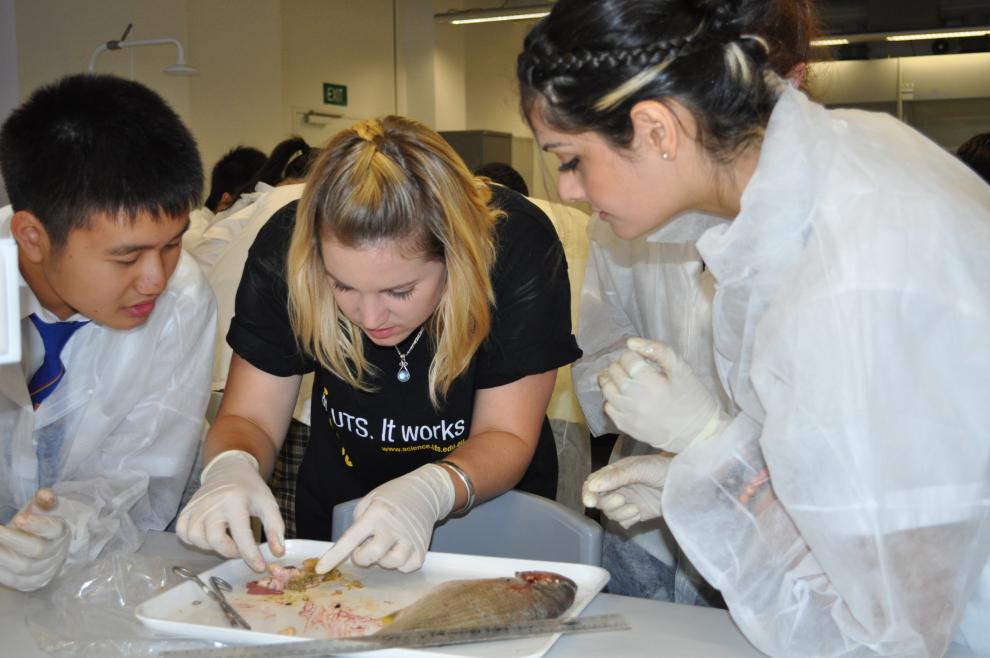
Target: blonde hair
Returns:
[384, 180]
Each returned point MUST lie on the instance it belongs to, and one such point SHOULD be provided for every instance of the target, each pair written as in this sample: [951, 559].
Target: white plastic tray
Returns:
[176, 611]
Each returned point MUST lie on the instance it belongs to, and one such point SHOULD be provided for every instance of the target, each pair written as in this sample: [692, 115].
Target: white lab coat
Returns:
[131, 404]
[199, 220]
[653, 287]
[852, 329]
[223, 252]
[225, 227]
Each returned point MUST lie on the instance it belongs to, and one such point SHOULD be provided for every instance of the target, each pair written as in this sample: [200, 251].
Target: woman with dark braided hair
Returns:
[841, 508]
[657, 287]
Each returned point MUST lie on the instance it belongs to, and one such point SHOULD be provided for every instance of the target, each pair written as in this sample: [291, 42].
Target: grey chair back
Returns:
[516, 525]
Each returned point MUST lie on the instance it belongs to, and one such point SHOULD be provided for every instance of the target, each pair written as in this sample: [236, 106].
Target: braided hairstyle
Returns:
[589, 62]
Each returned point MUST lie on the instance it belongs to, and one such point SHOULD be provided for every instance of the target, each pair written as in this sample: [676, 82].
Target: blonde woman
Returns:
[434, 310]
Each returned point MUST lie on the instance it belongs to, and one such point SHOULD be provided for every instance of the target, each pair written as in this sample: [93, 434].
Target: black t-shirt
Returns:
[361, 439]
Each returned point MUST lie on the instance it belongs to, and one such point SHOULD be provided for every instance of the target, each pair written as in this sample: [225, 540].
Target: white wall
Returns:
[57, 37]
[492, 97]
[237, 98]
[347, 42]
[415, 70]
[8, 71]
[947, 97]
[262, 63]
[449, 70]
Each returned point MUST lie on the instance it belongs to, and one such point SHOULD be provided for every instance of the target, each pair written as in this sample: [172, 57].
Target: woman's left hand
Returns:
[652, 395]
[393, 523]
[629, 490]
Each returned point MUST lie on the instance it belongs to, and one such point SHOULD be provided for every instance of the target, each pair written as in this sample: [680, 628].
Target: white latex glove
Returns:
[657, 399]
[33, 548]
[393, 523]
[629, 490]
[232, 492]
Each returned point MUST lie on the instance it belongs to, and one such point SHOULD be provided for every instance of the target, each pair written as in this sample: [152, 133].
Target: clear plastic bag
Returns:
[91, 610]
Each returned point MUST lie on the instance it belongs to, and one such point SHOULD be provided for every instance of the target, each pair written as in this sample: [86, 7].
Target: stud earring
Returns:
[665, 155]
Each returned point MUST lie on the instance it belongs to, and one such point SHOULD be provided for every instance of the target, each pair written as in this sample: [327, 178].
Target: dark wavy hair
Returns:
[586, 64]
[289, 157]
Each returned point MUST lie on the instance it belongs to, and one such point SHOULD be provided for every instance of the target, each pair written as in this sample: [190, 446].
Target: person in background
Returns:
[231, 173]
[841, 508]
[975, 152]
[657, 287]
[286, 166]
[570, 432]
[434, 310]
[276, 169]
[503, 174]
[231, 241]
[106, 406]
[237, 167]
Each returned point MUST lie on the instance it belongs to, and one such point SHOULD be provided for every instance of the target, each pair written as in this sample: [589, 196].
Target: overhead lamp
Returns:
[960, 34]
[842, 40]
[179, 68]
[472, 16]
[824, 43]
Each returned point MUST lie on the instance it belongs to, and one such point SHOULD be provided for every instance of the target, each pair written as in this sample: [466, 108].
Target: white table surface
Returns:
[658, 629]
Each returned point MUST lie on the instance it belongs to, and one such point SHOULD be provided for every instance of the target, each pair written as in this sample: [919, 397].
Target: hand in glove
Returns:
[629, 490]
[393, 524]
[657, 399]
[34, 546]
[232, 491]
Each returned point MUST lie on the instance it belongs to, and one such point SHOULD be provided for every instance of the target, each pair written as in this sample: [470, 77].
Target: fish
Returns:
[291, 578]
[528, 596]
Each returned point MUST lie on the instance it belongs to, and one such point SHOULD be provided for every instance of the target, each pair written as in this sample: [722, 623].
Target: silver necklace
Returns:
[403, 374]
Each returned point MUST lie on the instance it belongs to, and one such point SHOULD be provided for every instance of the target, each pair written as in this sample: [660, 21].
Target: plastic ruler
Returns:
[413, 639]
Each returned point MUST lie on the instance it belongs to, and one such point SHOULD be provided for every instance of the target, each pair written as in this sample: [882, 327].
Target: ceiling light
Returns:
[823, 43]
[844, 39]
[960, 34]
[472, 16]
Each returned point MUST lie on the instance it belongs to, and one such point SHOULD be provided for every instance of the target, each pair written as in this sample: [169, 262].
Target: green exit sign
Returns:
[334, 94]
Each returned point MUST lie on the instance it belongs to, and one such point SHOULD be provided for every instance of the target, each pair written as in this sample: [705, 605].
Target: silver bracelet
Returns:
[468, 486]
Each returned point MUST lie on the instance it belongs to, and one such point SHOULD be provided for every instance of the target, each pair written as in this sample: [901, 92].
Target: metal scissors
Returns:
[217, 587]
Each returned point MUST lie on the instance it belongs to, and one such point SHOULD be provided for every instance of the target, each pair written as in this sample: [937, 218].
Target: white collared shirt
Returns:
[131, 405]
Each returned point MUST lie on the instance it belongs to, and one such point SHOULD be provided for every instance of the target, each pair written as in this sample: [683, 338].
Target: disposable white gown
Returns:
[222, 254]
[852, 328]
[131, 405]
[654, 287]
[226, 226]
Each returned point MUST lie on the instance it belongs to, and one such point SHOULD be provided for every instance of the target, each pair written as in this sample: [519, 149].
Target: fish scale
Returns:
[414, 639]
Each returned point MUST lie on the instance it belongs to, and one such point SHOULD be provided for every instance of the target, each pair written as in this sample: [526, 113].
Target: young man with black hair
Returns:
[106, 406]
[231, 173]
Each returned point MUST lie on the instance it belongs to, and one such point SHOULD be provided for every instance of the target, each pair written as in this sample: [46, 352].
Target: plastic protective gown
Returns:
[131, 407]
[852, 329]
[654, 287]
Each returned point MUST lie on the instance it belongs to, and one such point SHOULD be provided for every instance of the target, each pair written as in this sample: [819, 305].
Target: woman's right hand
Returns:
[232, 491]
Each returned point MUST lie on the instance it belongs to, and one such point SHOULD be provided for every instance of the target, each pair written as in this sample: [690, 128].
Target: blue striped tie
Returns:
[54, 335]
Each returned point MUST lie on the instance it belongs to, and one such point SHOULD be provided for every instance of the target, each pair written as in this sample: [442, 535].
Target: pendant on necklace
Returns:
[403, 374]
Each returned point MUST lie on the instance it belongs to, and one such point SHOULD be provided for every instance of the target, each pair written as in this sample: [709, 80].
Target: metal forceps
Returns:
[217, 587]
